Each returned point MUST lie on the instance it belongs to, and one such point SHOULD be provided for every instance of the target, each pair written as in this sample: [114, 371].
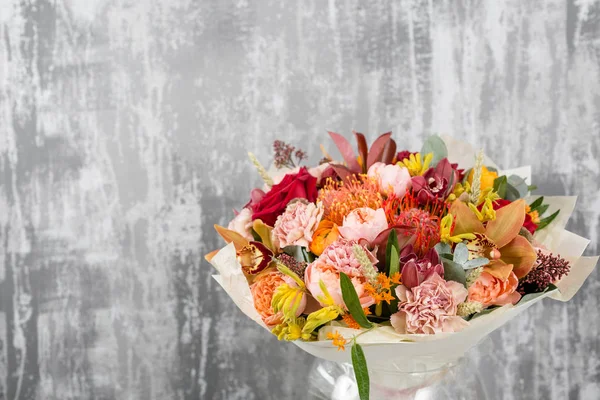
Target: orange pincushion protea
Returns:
[340, 198]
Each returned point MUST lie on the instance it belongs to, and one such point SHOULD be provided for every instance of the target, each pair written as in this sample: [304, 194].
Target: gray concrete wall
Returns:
[124, 126]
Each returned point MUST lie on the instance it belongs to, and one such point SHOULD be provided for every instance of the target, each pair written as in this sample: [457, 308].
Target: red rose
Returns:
[293, 186]
[528, 224]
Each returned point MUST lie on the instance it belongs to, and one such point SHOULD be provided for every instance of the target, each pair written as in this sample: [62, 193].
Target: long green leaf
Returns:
[541, 209]
[392, 243]
[352, 302]
[361, 372]
[394, 268]
[538, 202]
[546, 221]
[531, 296]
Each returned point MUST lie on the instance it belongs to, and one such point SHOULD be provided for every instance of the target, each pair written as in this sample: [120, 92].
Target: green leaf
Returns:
[434, 144]
[394, 267]
[538, 202]
[461, 253]
[352, 302]
[519, 183]
[443, 248]
[454, 272]
[531, 188]
[542, 209]
[361, 372]
[484, 312]
[512, 193]
[477, 262]
[546, 221]
[500, 185]
[531, 296]
[392, 243]
[255, 235]
[308, 256]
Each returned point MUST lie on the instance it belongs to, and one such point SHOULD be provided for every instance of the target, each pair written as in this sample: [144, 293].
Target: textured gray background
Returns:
[124, 126]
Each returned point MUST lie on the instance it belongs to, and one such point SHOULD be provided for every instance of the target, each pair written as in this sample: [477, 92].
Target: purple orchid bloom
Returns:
[415, 270]
[436, 183]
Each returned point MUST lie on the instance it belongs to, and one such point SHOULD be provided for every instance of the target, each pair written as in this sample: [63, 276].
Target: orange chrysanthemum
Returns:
[337, 340]
[340, 198]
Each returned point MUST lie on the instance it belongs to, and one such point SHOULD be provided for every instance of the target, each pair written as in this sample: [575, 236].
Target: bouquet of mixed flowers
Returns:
[409, 258]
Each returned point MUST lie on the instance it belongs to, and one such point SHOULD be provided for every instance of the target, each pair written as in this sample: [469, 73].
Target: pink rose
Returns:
[316, 273]
[492, 291]
[430, 307]
[242, 223]
[392, 178]
[296, 226]
[364, 223]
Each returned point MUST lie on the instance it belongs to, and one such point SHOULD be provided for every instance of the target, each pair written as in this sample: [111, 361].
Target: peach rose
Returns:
[315, 273]
[263, 289]
[391, 178]
[492, 291]
[364, 223]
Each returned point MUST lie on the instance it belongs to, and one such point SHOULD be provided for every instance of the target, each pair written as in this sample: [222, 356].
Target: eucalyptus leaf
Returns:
[461, 253]
[454, 272]
[519, 184]
[443, 248]
[361, 372]
[352, 302]
[477, 262]
[512, 193]
[434, 144]
[531, 296]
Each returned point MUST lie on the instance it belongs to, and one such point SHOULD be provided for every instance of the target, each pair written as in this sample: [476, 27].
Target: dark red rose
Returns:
[528, 224]
[293, 186]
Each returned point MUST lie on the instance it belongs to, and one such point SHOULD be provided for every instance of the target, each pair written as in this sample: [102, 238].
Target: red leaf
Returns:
[363, 149]
[346, 150]
[389, 152]
[377, 148]
[343, 172]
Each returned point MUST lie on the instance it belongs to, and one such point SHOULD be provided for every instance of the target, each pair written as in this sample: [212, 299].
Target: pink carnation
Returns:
[391, 178]
[338, 257]
[364, 223]
[242, 223]
[295, 227]
[430, 307]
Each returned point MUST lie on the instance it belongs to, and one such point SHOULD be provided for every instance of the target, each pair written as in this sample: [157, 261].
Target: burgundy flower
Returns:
[415, 270]
[437, 183]
[273, 203]
[404, 154]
